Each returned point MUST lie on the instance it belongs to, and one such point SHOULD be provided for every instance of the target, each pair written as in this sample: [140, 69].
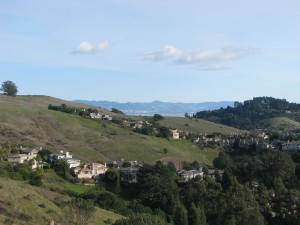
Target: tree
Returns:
[196, 215]
[35, 179]
[114, 110]
[186, 115]
[126, 164]
[5, 150]
[157, 117]
[9, 88]
[181, 216]
[61, 167]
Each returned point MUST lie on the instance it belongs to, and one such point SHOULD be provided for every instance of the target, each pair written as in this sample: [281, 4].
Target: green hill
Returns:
[23, 204]
[26, 120]
[255, 113]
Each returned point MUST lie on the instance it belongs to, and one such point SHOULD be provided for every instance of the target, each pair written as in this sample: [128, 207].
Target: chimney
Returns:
[67, 154]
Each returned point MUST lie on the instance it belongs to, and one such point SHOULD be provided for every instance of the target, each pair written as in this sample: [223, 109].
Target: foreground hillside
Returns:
[23, 204]
[25, 120]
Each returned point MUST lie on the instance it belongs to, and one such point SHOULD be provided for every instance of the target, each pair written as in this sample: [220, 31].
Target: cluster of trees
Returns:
[114, 110]
[20, 172]
[71, 110]
[272, 177]
[250, 114]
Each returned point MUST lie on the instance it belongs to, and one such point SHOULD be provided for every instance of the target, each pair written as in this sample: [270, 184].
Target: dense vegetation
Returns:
[252, 113]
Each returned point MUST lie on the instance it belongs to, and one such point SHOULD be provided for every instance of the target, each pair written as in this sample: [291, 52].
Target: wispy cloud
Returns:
[168, 52]
[87, 48]
[177, 56]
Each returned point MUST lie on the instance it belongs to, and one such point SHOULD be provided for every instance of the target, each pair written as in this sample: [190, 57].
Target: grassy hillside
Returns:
[24, 204]
[196, 125]
[25, 120]
[282, 123]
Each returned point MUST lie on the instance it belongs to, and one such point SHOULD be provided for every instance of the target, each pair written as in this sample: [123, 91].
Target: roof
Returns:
[29, 150]
[18, 156]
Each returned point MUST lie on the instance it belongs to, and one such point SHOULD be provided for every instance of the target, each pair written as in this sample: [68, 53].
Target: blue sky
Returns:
[171, 50]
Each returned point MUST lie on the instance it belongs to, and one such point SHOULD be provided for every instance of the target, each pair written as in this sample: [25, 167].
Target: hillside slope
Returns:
[197, 125]
[25, 120]
[23, 204]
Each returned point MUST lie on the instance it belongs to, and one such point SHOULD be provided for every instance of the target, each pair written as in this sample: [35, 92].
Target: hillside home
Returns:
[22, 158]
[95, 115]
[292, 146]
[174, 134]
[107, 118]
[31, 151]
[65, 155]
[138, 125]
[190, 174]
[19, 158]
[89, 171]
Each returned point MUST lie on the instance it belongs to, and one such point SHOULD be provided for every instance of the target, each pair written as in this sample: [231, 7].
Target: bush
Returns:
[35, 179]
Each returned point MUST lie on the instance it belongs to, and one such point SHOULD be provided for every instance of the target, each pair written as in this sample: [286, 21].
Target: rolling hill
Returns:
[260, 112]
[25, 120]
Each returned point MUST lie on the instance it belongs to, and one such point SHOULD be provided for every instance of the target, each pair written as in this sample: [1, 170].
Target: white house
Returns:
[174, 134]
[190, 174]
[95, 115]
[107, 117]
[89, 170]
[65, 155]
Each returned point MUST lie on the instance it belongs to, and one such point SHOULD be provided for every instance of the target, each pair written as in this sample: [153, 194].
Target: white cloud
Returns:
[86, 47]
[168, 52]
[201, 56]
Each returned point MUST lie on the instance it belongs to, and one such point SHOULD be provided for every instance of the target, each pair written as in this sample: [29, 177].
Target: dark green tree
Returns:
[112, 179]
[61, 167]
[196, 215]
[222, 161]
[114, 110]
[5, 150]
[126, 164]
[157, 117]
[35, 179]
[9, 88]
[181, 215]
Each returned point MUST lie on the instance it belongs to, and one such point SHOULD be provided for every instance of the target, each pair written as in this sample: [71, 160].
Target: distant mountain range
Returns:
[157, 107]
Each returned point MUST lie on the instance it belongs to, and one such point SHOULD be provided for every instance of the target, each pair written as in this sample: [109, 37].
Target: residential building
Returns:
[22, 158]
[65, 155]
[174, 134]
[89, 171]
[190, 174]
[95, 115]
